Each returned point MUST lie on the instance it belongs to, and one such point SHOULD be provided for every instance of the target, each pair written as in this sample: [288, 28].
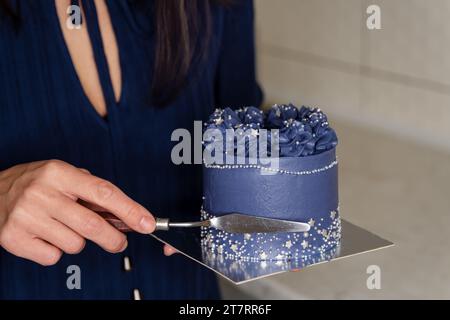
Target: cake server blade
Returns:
[232, 223]
[239, 223]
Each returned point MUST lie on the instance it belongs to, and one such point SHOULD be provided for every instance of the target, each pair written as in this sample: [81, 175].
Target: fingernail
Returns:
[125, 245]
[147, 224]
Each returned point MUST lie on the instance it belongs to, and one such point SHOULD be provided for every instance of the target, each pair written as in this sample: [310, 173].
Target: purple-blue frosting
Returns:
[302, 132]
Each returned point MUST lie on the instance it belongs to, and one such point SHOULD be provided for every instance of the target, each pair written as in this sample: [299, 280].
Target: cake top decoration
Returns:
[301, 132]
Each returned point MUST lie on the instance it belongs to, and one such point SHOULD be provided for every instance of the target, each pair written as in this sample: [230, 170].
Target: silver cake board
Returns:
[354, 240]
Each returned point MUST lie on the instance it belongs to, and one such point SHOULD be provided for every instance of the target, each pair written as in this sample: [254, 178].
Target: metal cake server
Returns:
[232, 223]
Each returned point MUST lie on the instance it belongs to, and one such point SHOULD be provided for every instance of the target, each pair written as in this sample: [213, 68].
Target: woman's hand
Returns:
[40, 216]
[169, 250]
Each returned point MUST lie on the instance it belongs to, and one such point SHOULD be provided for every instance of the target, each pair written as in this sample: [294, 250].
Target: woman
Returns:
[86, 115]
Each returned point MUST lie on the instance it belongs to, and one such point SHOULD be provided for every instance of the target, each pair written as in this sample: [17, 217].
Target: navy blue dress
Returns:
[44, 114]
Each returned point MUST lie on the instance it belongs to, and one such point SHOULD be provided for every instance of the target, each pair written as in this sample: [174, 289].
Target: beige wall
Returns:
[397, 79]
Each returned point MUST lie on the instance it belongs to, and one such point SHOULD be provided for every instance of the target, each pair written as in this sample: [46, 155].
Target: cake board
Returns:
[355, 240]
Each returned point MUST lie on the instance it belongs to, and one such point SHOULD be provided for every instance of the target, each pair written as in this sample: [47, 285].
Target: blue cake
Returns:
[303, 186]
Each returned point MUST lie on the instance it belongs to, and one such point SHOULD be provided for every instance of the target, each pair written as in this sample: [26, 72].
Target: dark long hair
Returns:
[183, 30]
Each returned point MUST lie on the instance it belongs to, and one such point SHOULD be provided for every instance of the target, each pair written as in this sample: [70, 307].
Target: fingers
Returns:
[91, 206]
[85, 170]
[169, 250]
[59, 235]
[104, 194]
[21, 244]
[42, 252]
[91, 226]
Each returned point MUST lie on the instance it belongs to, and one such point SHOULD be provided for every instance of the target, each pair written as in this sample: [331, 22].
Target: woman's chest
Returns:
[43, 103]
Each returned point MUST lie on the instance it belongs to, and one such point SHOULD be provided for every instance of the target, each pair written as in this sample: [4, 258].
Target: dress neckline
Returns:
[90, 19]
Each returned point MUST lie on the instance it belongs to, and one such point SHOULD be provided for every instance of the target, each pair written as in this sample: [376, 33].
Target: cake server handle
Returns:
[163, 224]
